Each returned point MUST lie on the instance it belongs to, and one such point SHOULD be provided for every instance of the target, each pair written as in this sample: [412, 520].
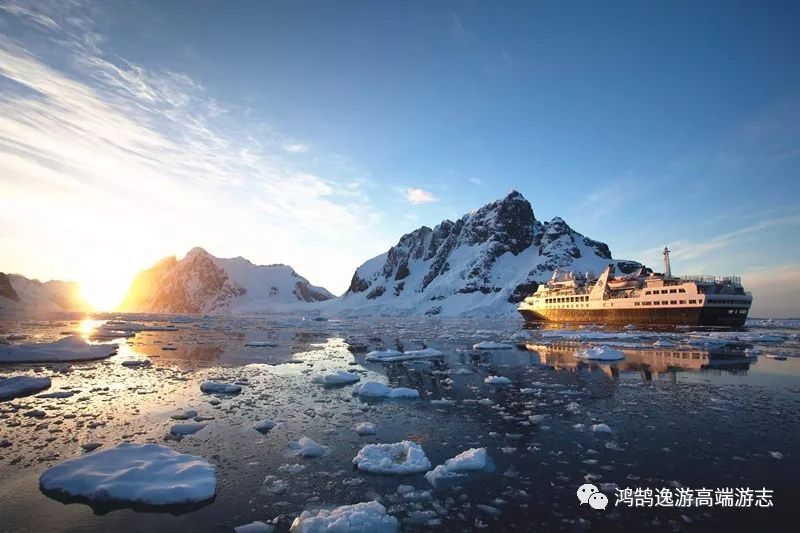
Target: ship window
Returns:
[672, 291]
[663, 291]
[673, 302]
[656, 303]
[636, 304]
[692, 301]
[681, 290]
[683, 302]
[665, 303]
[647, 292]
[645, 303]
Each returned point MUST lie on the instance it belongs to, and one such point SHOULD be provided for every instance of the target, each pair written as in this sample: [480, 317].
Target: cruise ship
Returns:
[643, 297]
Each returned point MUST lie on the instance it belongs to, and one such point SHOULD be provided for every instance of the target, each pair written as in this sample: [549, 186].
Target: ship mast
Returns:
[667, 269]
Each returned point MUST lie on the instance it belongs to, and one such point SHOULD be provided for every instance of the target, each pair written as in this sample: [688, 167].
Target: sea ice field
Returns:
[266, 423]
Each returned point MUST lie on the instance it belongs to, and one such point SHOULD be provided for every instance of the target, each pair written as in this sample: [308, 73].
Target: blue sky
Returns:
[293, 131]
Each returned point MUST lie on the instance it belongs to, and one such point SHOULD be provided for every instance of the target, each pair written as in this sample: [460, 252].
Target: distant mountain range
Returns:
[202, 283]
[484, 263]
[20, 294]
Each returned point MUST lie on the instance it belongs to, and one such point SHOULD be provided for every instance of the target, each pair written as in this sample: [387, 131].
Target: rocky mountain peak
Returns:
[499, 250]
[203, 283]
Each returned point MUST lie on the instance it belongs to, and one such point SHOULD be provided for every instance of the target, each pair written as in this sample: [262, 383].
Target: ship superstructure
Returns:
[639, 297]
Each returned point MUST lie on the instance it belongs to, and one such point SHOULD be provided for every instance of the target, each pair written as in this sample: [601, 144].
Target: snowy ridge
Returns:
[482, 264]
[202, 283]
[20, 294]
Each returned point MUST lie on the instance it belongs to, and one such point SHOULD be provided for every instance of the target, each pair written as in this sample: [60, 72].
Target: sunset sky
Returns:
[315, 134]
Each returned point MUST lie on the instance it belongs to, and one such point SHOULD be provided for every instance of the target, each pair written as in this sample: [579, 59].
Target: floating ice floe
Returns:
[497, 380]
[337, 378]
[71, 348]
[404, 457]
[17, 386]
[366, 428]
[137, 363]
[601, 428]
[443, 401]
[305, 447]
[661, 343]
[600, 353]
[472, 459]
[394, 355]
[184, 415]
[57, 394]
[260, 344]
[590, 335]
[489, 345]
[366, 517]
[254, 527]
[148, 474]
[373, 389]
[291, 469]
[264, 426]
[215, 387]
[189, 428]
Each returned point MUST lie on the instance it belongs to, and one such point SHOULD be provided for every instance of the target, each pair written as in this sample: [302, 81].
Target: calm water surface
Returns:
[687, 408]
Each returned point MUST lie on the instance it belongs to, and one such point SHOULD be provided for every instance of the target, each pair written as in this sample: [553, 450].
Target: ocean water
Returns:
[687, 409]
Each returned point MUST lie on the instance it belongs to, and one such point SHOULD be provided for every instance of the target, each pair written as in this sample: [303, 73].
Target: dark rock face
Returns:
[6, 290]
[463, 254]
[522, 291]
[305, 292]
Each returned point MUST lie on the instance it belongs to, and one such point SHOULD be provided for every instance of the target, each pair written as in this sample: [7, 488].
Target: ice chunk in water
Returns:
[148, 474]
[373, 389]
[367, 517]
[17, 386]
[404, 457]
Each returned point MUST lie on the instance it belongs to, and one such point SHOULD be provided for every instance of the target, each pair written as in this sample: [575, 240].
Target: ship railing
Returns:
[736, 280]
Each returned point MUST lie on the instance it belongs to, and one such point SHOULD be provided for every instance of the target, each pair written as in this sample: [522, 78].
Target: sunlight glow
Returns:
[103, 294]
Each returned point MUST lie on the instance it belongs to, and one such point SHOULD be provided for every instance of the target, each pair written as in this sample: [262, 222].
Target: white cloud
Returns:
[107, 165]
[419, 196]
[296, 148]
[476, 181]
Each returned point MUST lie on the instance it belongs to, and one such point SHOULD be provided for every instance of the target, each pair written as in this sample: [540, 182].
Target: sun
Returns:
[102, 295]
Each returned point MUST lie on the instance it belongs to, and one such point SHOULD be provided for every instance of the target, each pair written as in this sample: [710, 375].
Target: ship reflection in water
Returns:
[655, 364]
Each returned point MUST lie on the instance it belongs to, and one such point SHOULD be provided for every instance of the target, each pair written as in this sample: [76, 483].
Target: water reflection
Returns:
[650, 364]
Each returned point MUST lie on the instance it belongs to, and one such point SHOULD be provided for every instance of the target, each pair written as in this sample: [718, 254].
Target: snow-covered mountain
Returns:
[202, 283]
[483, 263]
[20, 294]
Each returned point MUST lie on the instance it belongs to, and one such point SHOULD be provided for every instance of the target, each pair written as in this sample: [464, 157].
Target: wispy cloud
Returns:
[99, 152]
[693, 249]
[419, 196]
[610, 197]
[296, 148]
[475, 181]
[459, 31]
